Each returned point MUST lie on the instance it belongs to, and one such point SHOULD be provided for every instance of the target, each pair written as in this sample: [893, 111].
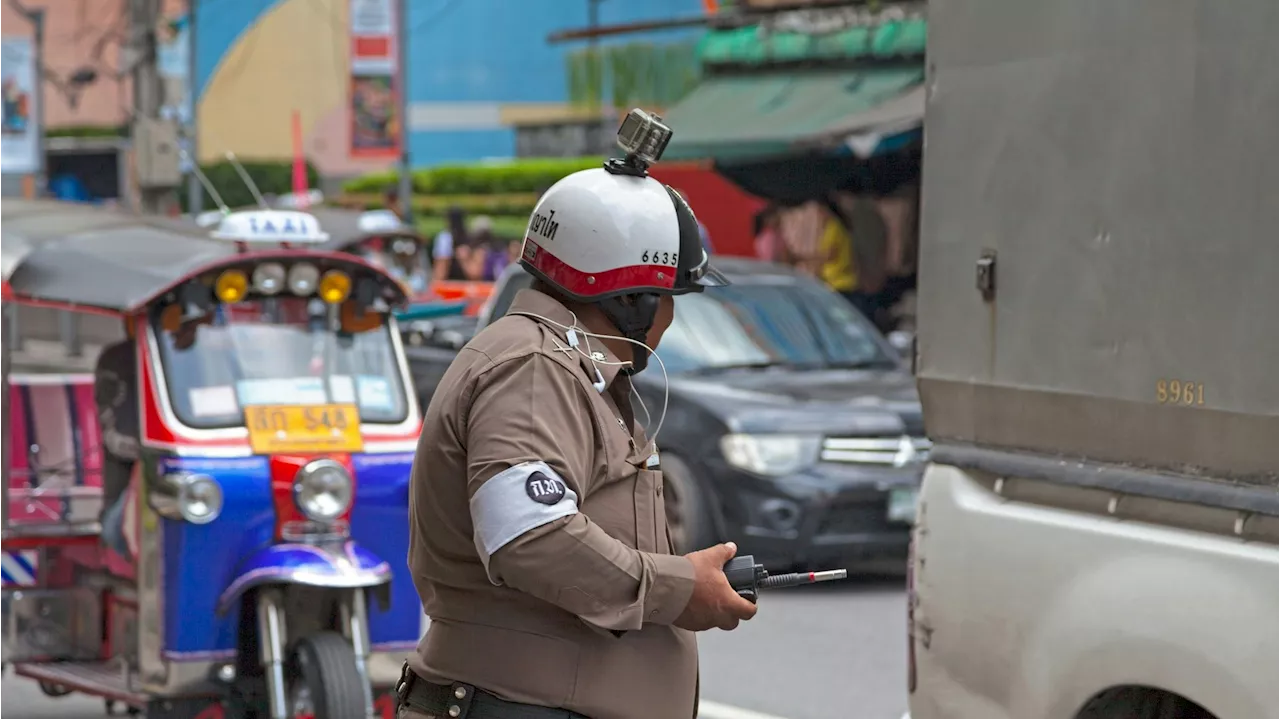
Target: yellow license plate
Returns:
[282, 429]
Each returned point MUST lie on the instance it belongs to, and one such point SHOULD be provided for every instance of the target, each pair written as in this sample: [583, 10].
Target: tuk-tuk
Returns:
[383, 239]
[265, 518]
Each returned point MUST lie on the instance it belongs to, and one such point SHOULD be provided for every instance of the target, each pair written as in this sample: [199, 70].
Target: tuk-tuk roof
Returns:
[344, 228]
[80, 254]
[77, 254]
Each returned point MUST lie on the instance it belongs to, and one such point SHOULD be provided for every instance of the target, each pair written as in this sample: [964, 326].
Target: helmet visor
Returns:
[704, 275]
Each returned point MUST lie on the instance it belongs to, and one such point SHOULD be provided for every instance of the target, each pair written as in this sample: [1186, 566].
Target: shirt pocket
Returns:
[651, 532]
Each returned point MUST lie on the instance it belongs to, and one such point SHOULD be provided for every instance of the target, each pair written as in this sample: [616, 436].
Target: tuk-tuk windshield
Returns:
[278, 351]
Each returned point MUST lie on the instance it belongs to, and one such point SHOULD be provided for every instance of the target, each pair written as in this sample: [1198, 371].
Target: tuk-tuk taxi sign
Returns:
[380, 221]
[271, 226]
[291, 429]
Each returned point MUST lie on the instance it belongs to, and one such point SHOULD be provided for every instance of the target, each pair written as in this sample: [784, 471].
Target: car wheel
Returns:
[688, 517]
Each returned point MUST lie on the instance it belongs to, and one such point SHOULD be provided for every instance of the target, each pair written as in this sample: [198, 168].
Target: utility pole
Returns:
[402, 78]
[148, 94]
[593, 50]
[195, 191]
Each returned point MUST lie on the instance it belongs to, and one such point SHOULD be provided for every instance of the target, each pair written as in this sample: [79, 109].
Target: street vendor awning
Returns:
[758, 116]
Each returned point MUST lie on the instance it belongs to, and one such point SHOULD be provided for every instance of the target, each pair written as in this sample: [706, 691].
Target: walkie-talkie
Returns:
[747, 578]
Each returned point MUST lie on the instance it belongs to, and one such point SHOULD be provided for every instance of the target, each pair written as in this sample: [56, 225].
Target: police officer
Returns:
[539, 543]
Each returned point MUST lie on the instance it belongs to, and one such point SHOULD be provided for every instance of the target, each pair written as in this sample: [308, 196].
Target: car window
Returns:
[769, 324]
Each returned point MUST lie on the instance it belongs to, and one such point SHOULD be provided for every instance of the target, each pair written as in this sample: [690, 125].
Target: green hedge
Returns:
[532, 175]
[435, 205]
[271, 177]
[508, 227]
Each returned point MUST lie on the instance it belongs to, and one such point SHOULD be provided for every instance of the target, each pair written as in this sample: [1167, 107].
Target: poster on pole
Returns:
[19, 146]
[374, 100]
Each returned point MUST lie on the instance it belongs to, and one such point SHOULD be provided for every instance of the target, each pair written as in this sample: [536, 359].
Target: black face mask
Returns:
[633, 315]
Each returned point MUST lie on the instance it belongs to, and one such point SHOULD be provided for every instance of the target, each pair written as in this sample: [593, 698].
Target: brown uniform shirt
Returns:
[538, 542]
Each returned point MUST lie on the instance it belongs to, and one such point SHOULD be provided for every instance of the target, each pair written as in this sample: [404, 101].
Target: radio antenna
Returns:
[208, 186]
[248, 181]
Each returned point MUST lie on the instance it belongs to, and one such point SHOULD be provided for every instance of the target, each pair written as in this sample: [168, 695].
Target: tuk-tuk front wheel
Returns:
[323, 680]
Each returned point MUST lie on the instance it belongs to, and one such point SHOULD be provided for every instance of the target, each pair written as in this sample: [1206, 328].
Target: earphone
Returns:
[571, 336]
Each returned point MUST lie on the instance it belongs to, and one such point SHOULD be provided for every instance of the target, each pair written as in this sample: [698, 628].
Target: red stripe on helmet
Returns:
[587, 284]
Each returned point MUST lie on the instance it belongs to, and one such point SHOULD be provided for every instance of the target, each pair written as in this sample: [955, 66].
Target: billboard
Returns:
[374, 97]
[19, 149]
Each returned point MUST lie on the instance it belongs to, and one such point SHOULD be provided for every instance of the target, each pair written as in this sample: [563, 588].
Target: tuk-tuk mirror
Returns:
[355, 317]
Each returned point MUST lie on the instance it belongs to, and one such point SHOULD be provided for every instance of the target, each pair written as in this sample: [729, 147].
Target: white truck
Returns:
[1097, 360]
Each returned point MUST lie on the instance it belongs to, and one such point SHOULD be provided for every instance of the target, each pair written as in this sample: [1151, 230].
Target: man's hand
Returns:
[713, 603]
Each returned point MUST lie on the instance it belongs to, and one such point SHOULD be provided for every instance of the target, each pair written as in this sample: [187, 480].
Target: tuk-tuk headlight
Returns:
[200, 499]
[268, 279]
[322, 490]
[303, 279]
[196, 498]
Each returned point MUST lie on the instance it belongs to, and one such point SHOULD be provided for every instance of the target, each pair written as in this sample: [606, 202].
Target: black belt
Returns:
[463, 701]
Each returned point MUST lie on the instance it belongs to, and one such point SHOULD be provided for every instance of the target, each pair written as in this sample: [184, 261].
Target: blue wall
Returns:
[466, 51]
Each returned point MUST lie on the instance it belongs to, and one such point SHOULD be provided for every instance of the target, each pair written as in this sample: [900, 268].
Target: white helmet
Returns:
[619, 238]
[599, 233]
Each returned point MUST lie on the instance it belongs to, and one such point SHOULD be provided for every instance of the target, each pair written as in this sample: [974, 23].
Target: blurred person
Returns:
[391, 200]
[115, 392]
[767, 228]
[443, 266]
[801, 230]
[469, 257]
[501, 251]
[861, 215]
[839, 269]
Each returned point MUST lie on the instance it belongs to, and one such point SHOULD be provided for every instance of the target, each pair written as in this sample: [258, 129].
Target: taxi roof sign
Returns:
[375, 221]
[270, 226]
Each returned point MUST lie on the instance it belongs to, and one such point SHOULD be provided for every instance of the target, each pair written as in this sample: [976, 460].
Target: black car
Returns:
[792, 427]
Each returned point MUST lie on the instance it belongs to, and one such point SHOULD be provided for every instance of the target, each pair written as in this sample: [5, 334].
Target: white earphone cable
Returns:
[666, 380]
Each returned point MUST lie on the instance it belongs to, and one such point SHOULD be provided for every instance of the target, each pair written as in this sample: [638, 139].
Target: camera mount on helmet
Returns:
[644, 138]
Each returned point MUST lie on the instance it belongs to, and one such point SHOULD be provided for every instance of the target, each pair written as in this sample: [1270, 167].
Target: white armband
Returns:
[516, 500]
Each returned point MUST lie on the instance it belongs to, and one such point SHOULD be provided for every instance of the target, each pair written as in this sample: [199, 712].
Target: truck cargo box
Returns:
[1098, 273]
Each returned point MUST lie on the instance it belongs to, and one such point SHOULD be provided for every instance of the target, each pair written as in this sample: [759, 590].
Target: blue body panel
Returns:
[202, 561]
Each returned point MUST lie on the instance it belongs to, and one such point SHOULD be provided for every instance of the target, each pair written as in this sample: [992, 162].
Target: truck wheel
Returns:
[688, 518]
[1141, 703]
[324, 683]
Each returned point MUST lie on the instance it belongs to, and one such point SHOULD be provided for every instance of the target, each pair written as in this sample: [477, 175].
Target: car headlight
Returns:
[322, 490]
[771, 454]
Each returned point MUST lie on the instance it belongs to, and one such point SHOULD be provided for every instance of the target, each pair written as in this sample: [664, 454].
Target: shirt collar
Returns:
[547, 307]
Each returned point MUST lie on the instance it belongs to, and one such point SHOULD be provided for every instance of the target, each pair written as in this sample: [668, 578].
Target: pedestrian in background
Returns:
[443, 266]
[769, 245]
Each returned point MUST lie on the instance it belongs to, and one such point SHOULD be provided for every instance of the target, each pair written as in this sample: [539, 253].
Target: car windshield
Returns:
[765, 325]
[279, 351]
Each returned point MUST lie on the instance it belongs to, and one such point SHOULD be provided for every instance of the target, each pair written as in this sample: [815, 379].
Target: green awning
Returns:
[736, 117]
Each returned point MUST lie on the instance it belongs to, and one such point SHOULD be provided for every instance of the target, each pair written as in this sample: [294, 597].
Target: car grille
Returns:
[886, 451]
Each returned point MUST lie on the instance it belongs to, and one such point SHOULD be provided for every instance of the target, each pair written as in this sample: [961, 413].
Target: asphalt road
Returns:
[832, 651]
